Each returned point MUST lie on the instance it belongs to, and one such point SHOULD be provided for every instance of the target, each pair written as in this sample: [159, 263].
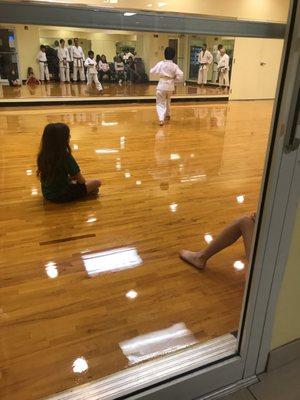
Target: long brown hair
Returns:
[54, 149]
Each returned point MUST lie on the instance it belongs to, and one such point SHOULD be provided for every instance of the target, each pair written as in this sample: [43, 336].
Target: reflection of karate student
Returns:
[205, 58]
[64, 59]
[223, 67]
[92, 73]
[120, 70]
[70, 50]
[217, 56]
[43, 64]
[78, 60]
[168, 72]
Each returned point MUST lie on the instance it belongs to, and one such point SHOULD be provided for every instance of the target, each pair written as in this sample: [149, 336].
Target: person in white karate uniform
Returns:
[64, 62]
[43, 64]
[92, 73]
[78, 61]
[216, 56]
[168, 72]
[205, 58]
[223, 67]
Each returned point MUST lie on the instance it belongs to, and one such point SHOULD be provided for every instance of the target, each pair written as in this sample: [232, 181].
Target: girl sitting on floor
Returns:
[59, 173]
[31, 79]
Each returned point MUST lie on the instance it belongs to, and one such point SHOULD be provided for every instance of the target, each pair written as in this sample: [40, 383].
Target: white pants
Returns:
[44, 71]
[215, 73]
[224, 78]
[64, 72]
[202, 76]
[163, 102]
[93, 78]
[78, 67]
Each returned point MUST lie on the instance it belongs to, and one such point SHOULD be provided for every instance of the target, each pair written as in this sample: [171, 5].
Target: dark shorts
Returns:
[73, 192]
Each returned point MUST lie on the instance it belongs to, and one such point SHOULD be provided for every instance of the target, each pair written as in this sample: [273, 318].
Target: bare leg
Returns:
[92, 186]
[241, 227]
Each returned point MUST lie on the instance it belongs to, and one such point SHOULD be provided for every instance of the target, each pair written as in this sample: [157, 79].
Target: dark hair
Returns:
[42, 46]
[98, 58]
[169, 53]
[70, 41]
[61, 40]
[90, 53]
[220, 46]
[76, 38]
[103, 55]
[29, 71]
[204, 45]
[54, 148]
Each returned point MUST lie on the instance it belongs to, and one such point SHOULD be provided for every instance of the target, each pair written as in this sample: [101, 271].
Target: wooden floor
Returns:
[110, 89]
[68, 271]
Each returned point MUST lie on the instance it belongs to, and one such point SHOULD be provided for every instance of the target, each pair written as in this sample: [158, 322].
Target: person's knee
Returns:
[246, 221]
[97, 183]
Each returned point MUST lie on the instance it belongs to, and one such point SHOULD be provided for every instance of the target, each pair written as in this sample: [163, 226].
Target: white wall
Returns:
[28, 47]
[287, 318]
[250, 79]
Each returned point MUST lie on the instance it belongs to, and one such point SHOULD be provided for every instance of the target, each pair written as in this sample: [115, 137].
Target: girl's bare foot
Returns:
[193, 258]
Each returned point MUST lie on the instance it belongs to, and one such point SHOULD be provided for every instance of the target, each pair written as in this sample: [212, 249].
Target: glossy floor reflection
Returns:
[110, 89]
[88, 287]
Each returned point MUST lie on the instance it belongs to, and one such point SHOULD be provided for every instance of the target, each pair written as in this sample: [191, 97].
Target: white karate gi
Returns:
[92, 74]
[223, 67]
[204, 59]
[78, 60]
[64, 67]
[168, 73]
[217, 56]
[44, 71]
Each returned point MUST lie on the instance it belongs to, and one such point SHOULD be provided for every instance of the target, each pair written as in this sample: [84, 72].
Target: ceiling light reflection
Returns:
[174, 156]
[127, 174]
[111, 260]
[75, 146]
[240, 199]
[91, 219]
[106, 151]
[208, 238]
[129, 14]
[193, 178]
[80, 365]
[138, 183]
[150, 345]
[112, 123]
[239, 265]
[28, 172]
[132, 294]
[173, 207]
[51, 270]
[34, 192]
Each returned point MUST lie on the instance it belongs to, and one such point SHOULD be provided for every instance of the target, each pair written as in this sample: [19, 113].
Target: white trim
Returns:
[139, 377]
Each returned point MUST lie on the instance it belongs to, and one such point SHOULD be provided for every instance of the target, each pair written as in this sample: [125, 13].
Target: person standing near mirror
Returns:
[64, 59]
[223, 67]
[205, 58]
[78, 60]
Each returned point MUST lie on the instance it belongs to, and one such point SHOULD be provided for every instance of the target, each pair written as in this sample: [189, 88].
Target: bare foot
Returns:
[161, 123]
[193, 258]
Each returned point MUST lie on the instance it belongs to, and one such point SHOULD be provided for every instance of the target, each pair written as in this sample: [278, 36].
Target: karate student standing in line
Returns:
[43, 64]
[78, 60]
[217, 56]
[223, 67]
[205, 58]
[92, 73]
[64, 60]
[169, 72]
[70, 50]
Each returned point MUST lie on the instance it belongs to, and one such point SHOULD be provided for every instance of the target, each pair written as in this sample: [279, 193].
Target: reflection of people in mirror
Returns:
[31, 79]
[43, 64]
[205, 58]
[92, 73]
[223, 67]
[64, 60]
[78, 60]
[217, 56]
[241, 227]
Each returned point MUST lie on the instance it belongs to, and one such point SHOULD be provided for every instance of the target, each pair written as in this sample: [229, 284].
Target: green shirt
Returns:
[57, 186]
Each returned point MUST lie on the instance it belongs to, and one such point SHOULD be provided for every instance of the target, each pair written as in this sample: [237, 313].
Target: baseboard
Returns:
[283, 355]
